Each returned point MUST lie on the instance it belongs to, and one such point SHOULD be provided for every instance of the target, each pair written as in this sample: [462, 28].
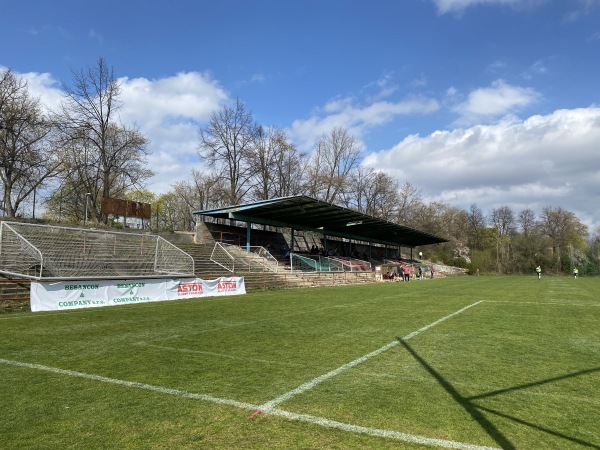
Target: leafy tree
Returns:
[528, 245]
[563, 229]
[503, 221]
[28, 156]
[167, 212]
[529, 250]
[67, 203]
[593, 254]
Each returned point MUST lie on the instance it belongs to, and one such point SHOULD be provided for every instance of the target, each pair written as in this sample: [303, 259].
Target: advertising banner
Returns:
[61, 295]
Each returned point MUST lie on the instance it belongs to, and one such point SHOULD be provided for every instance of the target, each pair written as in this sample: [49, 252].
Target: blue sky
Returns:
[494, 102]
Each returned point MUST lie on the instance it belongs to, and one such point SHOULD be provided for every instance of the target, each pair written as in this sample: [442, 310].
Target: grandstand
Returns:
[255, 251]
[46, 252]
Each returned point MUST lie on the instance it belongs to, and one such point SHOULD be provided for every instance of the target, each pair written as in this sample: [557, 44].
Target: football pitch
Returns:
[466, 363]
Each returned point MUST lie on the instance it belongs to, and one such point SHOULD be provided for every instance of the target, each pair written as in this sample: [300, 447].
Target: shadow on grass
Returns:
[477, 412]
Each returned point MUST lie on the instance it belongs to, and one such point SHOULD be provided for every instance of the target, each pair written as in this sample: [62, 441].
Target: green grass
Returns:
[520, 369]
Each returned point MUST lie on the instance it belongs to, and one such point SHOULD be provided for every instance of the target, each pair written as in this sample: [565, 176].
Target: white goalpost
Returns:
[47, 252]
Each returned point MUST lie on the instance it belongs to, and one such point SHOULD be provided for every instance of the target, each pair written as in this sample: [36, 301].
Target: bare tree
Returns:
[336, 156]
[202, 191]
[276, 165]
[290, 169]
[372, 192]
[503, 221]
[208, 190]
[107, 158]
[28, 157]
[174, 210]
[226, 145]
[409, 199]
[526, 220]
[476, 225]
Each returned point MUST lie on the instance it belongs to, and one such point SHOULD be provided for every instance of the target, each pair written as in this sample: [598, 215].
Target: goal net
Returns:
[52, 252]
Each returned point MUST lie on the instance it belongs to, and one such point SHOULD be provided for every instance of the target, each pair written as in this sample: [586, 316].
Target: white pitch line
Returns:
[321, 421]
[593, 305]
[132, 384]
[311, 384]
[397, 435]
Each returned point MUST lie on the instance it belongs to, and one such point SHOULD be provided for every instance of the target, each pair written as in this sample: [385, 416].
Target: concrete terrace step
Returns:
[205, 268]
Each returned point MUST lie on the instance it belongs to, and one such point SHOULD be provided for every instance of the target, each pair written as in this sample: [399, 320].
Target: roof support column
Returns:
[248, 228]
[291, 249]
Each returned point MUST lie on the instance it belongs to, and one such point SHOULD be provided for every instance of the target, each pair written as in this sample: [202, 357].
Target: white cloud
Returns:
[496, 66]
[187, 96]
[582, 8]
[256, 78]
[47, 29]
[542, 161]
[459, 6]
[384, 87]
[93, 34]
[494, 101]
[594, 37]
[346, 113]
[168, 111]
[45, 88]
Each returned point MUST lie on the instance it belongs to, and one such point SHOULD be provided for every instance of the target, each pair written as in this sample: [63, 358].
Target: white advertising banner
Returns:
[60, 295]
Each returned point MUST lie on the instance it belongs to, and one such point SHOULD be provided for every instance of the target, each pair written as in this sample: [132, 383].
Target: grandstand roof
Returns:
[306, 213]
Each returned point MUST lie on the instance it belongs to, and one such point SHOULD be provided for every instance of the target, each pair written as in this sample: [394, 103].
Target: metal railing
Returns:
[237, 259]
[354, 265]
[222, 257]
[268, 260]
[315, 263]
[226, 237]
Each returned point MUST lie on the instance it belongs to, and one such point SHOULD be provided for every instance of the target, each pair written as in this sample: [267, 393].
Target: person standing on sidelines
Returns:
[406, 271]
[538, 270]
[575, 272]
[432, 269]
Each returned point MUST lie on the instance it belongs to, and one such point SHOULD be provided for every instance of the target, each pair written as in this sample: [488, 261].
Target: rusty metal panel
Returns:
[126, 208]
